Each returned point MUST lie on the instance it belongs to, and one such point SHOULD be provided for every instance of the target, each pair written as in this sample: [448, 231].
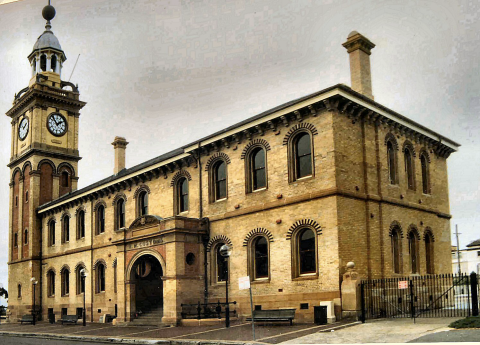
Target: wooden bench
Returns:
[273, 315]
[69, 319]
[26, 318]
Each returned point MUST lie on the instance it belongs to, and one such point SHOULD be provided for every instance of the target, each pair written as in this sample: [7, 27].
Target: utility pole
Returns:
[458, 249]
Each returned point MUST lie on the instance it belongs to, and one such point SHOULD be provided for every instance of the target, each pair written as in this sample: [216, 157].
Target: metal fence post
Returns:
[362, 303]
[474, 289]
[412, 304]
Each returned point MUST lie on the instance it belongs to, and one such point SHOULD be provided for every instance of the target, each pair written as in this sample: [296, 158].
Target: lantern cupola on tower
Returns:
[47, 56]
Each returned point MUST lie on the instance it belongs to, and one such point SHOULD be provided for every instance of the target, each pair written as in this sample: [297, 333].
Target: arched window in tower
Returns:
[429, 257]
[425, 177]
[46, 183]
[34, 63]
[19, 291]
[54, 62]
[15, 240]
[396, 250]
[143, 203]
[413, 249]
[409, 168]
[25, 236]
[80, 224]
[65, 282]
[51, 233]
[260, 256]
[392, 168]
[303, 155]
[182, 195]
[120, 213]
[100, 278]
[50, 283]
[64, 179]
[100, 219]
[222, 265]
[306, 251]
[43, 62]
[219, 180]
[66, 174]
[257, 170]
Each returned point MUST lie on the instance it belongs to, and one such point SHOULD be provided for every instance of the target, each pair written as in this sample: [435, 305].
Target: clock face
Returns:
[23, 128]
[56, 124]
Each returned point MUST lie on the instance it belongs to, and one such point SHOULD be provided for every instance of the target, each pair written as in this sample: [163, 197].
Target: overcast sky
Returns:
[164, 73]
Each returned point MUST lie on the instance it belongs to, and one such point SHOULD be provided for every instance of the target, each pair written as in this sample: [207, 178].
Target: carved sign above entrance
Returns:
[145, 243]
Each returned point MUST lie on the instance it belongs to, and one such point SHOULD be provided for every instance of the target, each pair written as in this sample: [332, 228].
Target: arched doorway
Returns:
[145, 285]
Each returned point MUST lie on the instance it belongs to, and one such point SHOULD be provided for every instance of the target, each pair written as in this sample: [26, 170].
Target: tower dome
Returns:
[47, 54]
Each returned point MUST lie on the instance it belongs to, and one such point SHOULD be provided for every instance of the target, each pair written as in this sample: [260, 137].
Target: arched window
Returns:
[409, 168]
[34, 64]
[64, 179]
[51, 283]
[19, 291]
[79, 280]
[429, 258]
[302, 153]
[66, 174]
[66, 229]
[222, 265]
[25, 236]
[15, 240]
[182, 195]
[306, 252]
[65, 282]
[256, 170]
[425, 177]
[100, 278]
[51, 233]
[392, 166]
[80, 224]
[100, 219]
[413, 249]
[219, 180]
[143, 204]
[120, 214]
[54, 62]
[396, 250]
[43, 63]
[260, 257]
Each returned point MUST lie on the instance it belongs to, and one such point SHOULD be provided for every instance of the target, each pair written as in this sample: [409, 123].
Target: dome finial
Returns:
[48, 13]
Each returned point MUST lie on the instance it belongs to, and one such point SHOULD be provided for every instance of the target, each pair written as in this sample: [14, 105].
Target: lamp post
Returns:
[84, 274]
[34, 285]
[226, 251]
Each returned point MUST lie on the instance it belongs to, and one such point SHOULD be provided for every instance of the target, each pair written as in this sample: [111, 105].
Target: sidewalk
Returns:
[381, 331]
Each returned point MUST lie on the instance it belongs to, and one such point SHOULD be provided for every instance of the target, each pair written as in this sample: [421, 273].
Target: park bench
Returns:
[273, 315]
[69, 319]
[26, 318]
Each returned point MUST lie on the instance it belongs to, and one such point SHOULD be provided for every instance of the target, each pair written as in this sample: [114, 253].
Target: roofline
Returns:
[184, 151]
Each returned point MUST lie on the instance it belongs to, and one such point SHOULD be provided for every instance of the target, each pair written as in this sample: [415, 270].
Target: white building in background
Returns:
[469, 258]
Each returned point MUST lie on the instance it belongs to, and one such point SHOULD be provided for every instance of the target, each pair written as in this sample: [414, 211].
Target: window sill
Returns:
[219, 200]
[67, 295]
[184, 213]
[259, 190]
[310, 276]
[261, 281]
[119, 230]
[303, 179]
[51, 296]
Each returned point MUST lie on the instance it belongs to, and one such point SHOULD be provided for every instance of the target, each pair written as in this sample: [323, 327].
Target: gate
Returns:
[444, 295]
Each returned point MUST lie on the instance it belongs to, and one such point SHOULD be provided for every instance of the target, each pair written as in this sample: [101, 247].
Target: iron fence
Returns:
[207, 310]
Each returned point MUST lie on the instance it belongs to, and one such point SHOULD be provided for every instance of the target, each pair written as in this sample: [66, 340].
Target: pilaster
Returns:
[56, 186]
[21, 241]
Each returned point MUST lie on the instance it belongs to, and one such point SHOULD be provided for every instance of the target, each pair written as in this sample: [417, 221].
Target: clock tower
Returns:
[43, 163]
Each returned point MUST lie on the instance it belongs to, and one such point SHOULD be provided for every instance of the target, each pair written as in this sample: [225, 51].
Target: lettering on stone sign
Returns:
[146, 243]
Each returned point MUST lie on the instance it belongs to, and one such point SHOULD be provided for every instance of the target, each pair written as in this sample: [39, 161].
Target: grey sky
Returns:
[164, 73]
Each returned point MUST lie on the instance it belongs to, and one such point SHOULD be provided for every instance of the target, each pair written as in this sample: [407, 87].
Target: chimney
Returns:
[120, 145]
[359, 48]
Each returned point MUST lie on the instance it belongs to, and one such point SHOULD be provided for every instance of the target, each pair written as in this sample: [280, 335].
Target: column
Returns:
[10, 222]
[37, 63]
[20, 219]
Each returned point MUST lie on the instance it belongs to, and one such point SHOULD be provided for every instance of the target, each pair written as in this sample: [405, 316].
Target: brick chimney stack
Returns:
[120, 145]
[359, 48]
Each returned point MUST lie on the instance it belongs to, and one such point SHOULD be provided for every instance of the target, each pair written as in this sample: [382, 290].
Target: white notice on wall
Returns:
[244, 283]
[403, 284]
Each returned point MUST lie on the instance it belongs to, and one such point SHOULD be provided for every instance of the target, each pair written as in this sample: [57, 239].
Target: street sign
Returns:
[244, 283]
[403, 284]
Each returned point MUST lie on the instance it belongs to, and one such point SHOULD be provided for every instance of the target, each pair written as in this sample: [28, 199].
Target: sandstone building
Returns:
[297, 192]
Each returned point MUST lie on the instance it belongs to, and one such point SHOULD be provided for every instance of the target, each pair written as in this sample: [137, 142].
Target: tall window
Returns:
[79, 280]
[25, 236]
[222, 266]
[66, 229]
[100, 219]
[306, 251]
[51, 283]
[303, 155]
[19, 291]
[425, 177]
[15, 240]
[53, 63]
[120, 213]
[392, 169]
[260, 256]
[409, 168]
[64, 179]
[65, 282]
[256, 170]
[100, 278]
[413, 248]
[81, 224]
[43, 62]
[51, 233]
[219, 180]
[182, 195]
[429, 253]
[396, 251]
[143, 203]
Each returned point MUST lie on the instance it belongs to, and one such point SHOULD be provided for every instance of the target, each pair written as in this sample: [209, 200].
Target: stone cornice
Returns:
[42, 152]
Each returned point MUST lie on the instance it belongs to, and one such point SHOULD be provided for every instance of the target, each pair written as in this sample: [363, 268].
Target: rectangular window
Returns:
[79, 313]
[64, 311]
